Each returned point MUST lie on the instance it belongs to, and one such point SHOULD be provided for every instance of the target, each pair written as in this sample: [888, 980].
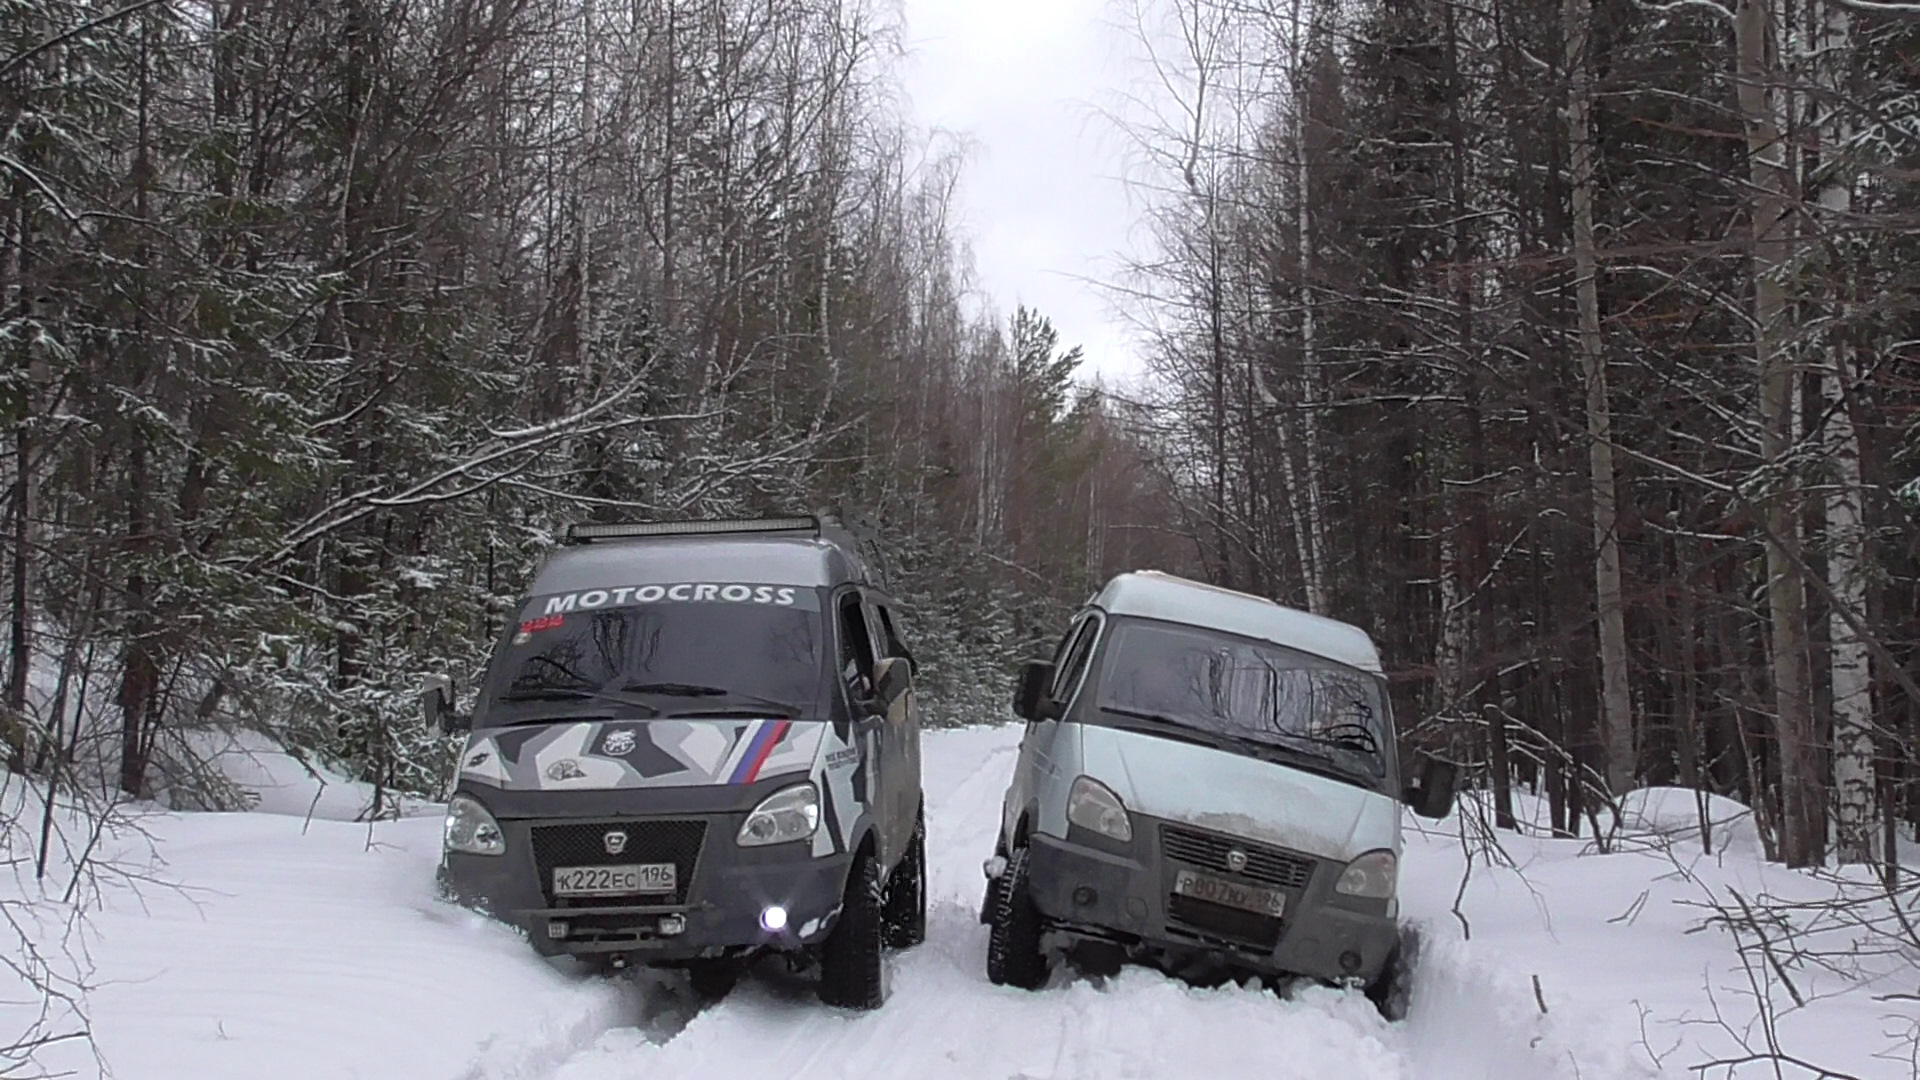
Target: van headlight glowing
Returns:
[471, 828]
[788, 814]
[1371, 875]
[1093, 805]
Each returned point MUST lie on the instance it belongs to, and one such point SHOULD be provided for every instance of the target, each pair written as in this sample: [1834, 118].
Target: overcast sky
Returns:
[1041, 197]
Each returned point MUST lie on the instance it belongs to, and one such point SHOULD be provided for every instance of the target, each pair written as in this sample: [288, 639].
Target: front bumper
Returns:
[716, 912]
[1092, 888]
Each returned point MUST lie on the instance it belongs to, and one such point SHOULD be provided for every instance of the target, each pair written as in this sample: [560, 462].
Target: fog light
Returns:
[556, 930]
[1085, 896]
[773, 919]
[1350, 961]
[672, 924]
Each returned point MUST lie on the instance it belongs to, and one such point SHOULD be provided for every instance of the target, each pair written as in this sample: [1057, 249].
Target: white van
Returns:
[1208, 780]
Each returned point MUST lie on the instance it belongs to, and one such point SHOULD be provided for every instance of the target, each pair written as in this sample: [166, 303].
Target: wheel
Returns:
[906, 902]
[713, 979]
[1013, 944]
[988, 900]
[1392, 990]
[852, 972]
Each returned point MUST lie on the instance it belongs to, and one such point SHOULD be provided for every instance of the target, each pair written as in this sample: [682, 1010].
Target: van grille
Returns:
[1208, 851]
[584, 844]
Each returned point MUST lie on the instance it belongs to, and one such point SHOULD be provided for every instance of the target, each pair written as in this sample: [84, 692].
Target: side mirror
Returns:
[892, 677]
[1030, 700]
[1430, 793]
[436, 704]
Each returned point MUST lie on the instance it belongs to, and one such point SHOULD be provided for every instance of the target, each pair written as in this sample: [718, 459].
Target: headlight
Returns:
[470, 828]
[1093, 805]
[1370, 875]
[788, 814]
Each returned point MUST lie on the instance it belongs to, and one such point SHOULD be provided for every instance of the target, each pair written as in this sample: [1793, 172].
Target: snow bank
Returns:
[274, 781]
[1674, 813]
[255, 944]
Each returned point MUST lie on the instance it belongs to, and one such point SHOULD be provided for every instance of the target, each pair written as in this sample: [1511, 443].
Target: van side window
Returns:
[856, 646]
[1072, 667]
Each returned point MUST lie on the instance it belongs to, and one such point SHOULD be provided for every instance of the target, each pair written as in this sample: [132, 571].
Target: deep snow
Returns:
[263, 944]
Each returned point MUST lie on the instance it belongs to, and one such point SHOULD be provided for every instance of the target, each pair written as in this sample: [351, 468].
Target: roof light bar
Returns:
[582, 532]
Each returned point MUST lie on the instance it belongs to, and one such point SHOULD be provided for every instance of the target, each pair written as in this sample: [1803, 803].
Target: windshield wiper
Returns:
[1252, 747]
[673, 689]
[568, 693]
[1168, 727]
[1345, 736]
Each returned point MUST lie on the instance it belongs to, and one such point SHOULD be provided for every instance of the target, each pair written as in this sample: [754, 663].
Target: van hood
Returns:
[602, 755]
[1240, 796]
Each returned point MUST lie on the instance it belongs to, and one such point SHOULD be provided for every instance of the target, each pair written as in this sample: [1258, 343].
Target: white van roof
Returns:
[1151, 594]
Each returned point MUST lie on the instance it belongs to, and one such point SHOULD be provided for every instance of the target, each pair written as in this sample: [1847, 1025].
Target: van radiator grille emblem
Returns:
[592, 844]
[1212, 851]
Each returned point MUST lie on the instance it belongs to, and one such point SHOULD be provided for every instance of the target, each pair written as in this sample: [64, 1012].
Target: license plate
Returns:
[1230, 894]
[614, 880]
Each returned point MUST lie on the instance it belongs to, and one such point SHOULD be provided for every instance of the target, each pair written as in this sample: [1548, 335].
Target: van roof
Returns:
[764, 559]
[1151, 594]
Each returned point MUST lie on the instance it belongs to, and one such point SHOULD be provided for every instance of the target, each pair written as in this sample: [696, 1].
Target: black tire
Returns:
[1392, 990]
[852, 968]
[712, 980]
[989, 899]
[1013, 944]
[906, 902]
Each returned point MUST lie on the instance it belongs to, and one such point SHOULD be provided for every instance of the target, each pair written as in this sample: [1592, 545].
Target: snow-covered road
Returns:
[299, 950]
[946, 1020]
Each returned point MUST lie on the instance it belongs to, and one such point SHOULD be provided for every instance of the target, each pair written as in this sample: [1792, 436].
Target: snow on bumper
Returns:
[1125, 893]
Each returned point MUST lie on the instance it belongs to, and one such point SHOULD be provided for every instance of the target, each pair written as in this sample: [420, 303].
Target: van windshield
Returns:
[669, 657]
[1249, 692]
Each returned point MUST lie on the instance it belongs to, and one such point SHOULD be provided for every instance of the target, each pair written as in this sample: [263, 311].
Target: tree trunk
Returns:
[20, 642]
[1616, 703]
[1801, 835]
[1313, 544]
[1853, 779]
[20, 628]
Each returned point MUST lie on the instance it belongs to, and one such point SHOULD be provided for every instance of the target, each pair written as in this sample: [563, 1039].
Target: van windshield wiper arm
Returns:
[673, 689]
[1279, 753]
[574, 693]
[1168, 727]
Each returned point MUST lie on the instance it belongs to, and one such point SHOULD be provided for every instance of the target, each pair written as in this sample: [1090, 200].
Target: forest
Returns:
[1567, 347]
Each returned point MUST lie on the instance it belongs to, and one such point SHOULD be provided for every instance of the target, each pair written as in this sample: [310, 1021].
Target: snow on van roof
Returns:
[770, 560]
[1151, 594]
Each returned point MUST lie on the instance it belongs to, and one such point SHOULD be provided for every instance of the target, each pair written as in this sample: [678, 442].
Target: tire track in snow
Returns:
[945, 1020]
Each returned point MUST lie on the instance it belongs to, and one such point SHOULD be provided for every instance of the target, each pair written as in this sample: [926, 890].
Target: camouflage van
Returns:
[695, 744]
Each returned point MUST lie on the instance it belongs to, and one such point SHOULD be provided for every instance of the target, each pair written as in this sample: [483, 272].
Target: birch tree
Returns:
[1616, 701]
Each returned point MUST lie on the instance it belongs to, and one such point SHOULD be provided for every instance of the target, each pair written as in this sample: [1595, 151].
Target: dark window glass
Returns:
[891, 636]
[856, 645]
[1079, 646]
[720, 650]
[1248, 690]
